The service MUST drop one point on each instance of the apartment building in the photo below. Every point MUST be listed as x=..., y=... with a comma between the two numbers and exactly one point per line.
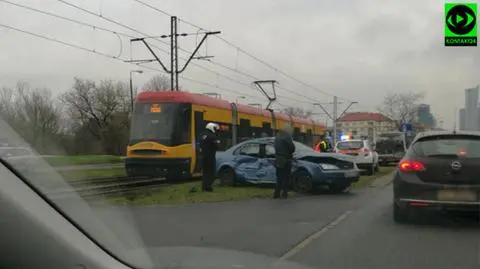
x=365, y=124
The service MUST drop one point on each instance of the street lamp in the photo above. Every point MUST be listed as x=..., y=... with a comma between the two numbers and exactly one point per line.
x=239, y=97
x=131, y=86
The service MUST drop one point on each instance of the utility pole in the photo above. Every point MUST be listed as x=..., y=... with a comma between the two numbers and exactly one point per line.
x=174, y=70
x=173, y=54
x=131, y=87
x=334, y=116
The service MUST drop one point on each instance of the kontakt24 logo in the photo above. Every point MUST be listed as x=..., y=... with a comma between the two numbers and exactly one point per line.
x=461, y=24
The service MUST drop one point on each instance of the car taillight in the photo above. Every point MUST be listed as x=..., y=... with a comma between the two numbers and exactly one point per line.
x=411, y=166
x=366, y=150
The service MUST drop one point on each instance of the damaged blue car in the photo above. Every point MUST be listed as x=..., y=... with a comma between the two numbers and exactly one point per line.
x=253, y=162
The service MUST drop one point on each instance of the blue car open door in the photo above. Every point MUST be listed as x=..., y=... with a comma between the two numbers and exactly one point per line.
x=247, y=162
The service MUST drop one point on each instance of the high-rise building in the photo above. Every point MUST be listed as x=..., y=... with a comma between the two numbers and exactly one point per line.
x=471, y=109
x=424, y=116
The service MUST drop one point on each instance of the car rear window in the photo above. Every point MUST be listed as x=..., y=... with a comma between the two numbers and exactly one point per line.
x=350, y=145
x=448, y=145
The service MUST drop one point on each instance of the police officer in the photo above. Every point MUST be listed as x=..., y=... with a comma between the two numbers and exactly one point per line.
x=209, y=145
x=324, y=144
x=284, y=149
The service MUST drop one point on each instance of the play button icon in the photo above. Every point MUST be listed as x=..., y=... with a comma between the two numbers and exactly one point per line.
x=461, y=20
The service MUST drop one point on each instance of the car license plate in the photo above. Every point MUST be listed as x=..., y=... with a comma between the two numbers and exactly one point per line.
x=457, y=195
x=350, y=174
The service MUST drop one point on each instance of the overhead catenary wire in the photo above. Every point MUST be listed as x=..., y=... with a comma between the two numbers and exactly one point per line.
x=142, y=33
x=116, y=58
x=131, y=36
x=60, y=42
x=239, y=49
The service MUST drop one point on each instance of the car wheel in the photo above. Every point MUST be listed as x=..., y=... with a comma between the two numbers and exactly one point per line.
x=400, y=215
x=227, y=176
x=302, y=182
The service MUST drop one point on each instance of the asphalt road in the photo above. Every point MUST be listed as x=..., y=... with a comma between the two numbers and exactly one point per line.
x=327, y=231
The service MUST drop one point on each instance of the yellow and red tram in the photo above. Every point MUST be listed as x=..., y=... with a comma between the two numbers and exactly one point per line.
x=166, y=125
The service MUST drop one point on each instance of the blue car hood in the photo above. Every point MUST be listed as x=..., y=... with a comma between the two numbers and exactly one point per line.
x=338, y=156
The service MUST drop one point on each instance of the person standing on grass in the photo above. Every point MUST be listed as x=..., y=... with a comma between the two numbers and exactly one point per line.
x=209, y=145
x=284, y=149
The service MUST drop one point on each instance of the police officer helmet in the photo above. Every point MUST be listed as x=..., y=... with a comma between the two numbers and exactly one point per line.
x=212, y=127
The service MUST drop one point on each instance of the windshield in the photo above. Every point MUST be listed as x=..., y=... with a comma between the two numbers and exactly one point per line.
x=350, y=145
x=153, y=122
x=301, y=148
x=112, y=98
x=444, y=146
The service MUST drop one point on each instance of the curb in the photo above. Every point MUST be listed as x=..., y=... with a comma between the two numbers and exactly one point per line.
x=382, y=181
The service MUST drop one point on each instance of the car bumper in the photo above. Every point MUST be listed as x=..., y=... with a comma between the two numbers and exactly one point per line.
x=327, y=177
x=436, y=205
x=388, y=159
x=364, y=166
x=158, y=167
x=409, y=191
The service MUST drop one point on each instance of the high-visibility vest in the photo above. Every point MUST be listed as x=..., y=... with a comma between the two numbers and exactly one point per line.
x=324, y=144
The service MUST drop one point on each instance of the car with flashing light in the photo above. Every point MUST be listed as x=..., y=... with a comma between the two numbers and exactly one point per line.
x=363, y=151
x=252, y=162
x=438, y=172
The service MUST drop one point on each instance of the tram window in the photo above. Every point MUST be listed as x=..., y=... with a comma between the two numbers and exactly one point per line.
x=296, y=134
x=183, y=126
x=245, y=132
x=225, y=137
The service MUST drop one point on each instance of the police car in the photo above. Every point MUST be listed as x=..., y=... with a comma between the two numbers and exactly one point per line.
x=366, y=157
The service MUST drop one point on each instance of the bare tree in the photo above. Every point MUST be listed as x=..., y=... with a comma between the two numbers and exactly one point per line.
x=297, y=112
x=33, y=114
x=103, y=110
x=157, y=83
x=401, y=107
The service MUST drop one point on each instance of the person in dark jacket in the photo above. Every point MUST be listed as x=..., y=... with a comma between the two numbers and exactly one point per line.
x=284, y=149
x=209, y=145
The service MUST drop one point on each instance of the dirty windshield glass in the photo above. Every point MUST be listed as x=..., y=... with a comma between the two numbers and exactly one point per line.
x=132, y=114
x=350, y=145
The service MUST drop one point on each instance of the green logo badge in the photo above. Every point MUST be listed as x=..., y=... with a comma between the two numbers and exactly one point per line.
x=460, y=24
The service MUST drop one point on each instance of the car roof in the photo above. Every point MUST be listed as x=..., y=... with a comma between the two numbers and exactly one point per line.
x=439, y=133
x=259, y=140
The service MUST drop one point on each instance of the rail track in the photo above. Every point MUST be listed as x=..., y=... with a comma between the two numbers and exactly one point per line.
x=112, y=186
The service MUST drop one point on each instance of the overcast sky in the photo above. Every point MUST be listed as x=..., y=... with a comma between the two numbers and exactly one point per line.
x=358, y=50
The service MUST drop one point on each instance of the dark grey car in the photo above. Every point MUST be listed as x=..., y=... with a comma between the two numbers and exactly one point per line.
x=440, y=171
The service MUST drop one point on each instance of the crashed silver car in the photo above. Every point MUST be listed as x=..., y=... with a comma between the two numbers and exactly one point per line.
x=253, y=162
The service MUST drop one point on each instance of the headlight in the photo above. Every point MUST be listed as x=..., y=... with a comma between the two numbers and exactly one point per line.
x=328, y=166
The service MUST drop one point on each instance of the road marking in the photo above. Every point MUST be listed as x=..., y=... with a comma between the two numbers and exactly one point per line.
x=302, y=244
